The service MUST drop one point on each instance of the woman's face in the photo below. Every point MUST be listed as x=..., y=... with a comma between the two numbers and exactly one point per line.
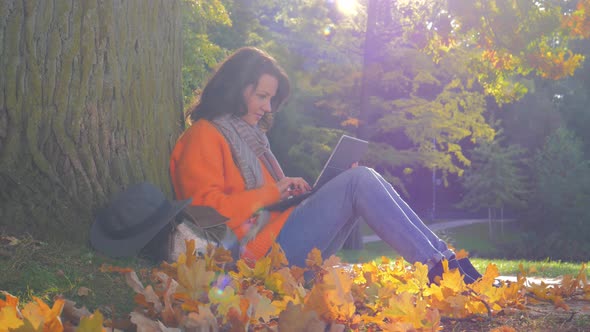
x=258, y=98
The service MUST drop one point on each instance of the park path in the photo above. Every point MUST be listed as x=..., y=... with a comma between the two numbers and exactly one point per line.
x=441, y=226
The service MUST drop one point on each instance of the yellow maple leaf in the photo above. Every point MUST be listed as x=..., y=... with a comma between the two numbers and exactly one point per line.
x=261, y=305
x=282, y=282
x=452, y=280
x=275, y=282
x=225, y=299
x=407, y=308
x=9, y=318
x=260, y=270
x=331, y=296
x=457, y=305
x=486, y=284
x=282, y=304
x=92, y=323
x=194, y=278
x=415, y=281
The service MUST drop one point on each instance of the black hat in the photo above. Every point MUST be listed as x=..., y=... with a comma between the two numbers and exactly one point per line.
x=131, y=219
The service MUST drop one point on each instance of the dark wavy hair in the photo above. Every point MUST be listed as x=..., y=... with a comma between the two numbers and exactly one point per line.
x=223, y=93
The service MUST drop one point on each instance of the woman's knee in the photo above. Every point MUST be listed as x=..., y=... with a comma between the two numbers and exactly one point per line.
x=362, y=174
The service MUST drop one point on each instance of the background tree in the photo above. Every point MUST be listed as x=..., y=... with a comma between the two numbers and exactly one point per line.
x=91, y=100
x=200, y=54
x=559, y=210
x=495, y=179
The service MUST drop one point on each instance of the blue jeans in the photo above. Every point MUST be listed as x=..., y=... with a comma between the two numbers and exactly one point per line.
x=327, y=217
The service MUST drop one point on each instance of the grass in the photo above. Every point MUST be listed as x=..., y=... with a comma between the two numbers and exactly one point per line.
x=32, y=268
x=542, y=269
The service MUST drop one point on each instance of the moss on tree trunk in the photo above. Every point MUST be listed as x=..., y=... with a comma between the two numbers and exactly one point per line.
x=90, y=101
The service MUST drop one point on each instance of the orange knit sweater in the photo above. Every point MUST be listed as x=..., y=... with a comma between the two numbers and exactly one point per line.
x=202, y=167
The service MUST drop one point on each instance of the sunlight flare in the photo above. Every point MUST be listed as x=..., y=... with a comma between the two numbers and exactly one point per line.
x=347, y=7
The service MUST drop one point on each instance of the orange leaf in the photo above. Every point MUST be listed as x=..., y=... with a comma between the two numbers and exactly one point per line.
x=11, y=301
x=461, y=254
x=40, y=315
x=110, y=268
x=314, y=258
x=277, y=256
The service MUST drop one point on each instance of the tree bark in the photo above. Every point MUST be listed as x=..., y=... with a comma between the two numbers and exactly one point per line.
x=90, y=101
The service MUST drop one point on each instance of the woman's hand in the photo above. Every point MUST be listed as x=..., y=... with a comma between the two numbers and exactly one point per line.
x=292, y=187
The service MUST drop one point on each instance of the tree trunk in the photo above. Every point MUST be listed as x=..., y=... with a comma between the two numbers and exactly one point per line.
x=490, y=218
x=90, y=101
x=355, y=239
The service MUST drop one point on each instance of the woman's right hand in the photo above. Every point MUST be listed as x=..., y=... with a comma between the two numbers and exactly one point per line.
x=292, y=187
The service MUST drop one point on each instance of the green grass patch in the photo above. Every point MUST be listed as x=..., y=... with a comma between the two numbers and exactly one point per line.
x=544, y=269
x=480, y=240
x=46, y=270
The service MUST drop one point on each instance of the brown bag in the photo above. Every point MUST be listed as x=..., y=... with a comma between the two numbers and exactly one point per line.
x=207, y=220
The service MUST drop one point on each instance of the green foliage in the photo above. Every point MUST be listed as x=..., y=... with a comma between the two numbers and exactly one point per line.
x=496, y=178
x=312, y=150
x=571, y=97
x=199, y=52
x=560, y=195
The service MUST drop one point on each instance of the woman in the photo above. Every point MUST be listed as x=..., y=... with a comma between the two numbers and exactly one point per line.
x=223, y=161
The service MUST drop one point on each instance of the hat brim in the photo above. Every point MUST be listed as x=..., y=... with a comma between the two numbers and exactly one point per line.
x=132, y=245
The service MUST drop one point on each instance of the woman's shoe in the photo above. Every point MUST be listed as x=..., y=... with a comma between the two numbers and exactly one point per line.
x=468, y=268
x=437, y=271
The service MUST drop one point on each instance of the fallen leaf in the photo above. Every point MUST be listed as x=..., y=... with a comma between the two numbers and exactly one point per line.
x=10, y=241
x=314, y=258
x=204, y=320
x=84, y=291
x=294, y=319
x=9, y=319
x=92, y=323
x=503, y=328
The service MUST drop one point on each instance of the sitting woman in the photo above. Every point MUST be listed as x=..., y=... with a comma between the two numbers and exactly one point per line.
x=223, y=161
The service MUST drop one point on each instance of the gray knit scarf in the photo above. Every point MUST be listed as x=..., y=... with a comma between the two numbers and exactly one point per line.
x=249, y=146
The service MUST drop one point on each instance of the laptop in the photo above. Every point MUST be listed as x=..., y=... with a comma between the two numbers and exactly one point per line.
x=348, y=151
